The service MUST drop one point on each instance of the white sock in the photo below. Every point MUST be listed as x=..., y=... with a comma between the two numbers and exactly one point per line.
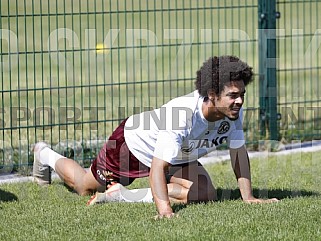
x=137, y=195
x=49, y=157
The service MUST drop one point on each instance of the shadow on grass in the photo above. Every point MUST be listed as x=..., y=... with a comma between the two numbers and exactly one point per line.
x=176, y=207
x=233, y=194
x=7, y=196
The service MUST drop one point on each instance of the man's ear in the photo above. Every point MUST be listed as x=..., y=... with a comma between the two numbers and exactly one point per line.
x=211, y=94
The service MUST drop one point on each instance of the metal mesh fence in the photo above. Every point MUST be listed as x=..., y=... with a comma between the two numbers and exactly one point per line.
x=299, y=63
x=71, y=70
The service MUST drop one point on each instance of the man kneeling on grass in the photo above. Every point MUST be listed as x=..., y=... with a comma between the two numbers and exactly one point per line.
x=165, y=144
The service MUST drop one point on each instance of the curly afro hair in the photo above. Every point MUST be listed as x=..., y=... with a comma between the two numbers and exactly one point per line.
x=218, y=72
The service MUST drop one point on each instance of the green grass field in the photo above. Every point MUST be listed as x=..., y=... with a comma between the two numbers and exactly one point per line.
x=30, y=212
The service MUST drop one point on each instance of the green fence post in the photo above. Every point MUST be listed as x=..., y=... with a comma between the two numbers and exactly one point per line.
x=267, y=68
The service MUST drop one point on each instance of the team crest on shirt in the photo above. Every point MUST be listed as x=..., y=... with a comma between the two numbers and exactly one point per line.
x=224, y=127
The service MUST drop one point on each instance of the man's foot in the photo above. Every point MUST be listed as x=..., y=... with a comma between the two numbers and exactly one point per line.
x=113, y=194
x=41, y=173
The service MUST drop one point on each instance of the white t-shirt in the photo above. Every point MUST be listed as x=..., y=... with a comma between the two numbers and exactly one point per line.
x=178, y=133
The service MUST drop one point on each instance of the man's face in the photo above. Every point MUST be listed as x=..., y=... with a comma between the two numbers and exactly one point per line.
x=231, y=100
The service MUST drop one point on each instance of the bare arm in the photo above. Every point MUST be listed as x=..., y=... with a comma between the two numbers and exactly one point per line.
x=158, y=185
x=241, y=167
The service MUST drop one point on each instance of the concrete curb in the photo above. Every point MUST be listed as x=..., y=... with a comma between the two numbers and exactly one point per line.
x=221, y=156
x=14, y=178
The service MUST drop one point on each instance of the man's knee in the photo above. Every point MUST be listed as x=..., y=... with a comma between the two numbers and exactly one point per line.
x=202, y=191
x=202, y=195
x=86, y=185
x=82, y=191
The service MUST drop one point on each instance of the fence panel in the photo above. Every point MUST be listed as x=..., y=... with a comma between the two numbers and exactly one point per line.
x=299, y=64
x=71, y=70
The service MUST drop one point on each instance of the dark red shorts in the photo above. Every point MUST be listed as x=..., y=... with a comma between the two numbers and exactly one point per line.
x=116, y=163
